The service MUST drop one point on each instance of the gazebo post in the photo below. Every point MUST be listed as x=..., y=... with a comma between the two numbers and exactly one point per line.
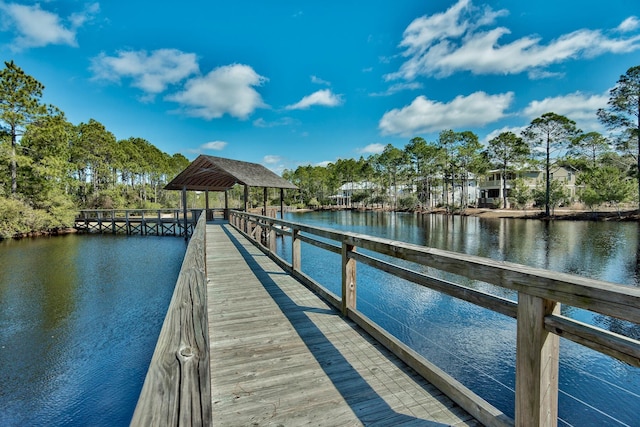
x=206, y=198
x=184, y=211
x=226, y=204
x=264, y=199
x=246, y=207
x=282, y=203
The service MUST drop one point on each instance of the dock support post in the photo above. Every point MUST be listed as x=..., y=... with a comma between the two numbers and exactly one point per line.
x=537, y=360
x=348, y=279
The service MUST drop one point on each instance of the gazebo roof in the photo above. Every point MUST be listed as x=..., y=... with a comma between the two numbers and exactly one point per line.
x=219, y=174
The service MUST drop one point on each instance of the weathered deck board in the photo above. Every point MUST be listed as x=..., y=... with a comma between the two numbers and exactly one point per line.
x=282, y=356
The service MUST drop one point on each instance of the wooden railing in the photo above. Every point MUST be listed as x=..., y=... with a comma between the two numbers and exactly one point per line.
x=156, y=222
x=539, y=324
x=177, y=388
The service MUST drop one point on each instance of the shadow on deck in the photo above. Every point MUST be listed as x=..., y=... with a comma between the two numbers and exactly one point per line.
x=280, y=355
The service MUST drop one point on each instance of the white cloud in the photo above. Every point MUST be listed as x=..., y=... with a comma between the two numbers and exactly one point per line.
x=629, y=24
x=424, y=115
x=225, y=90
x=214, y=145
x=442, y=44
x=319, y=81
x=375, y=148
x=398, y=87
x=576, y=106
x=323, y=97
x=271, y=159
x=36, y=27
x=152, y=72
x=284, y=121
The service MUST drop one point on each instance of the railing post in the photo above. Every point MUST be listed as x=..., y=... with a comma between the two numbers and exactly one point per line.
x=537, y=359
x=348, y=279
x=272, y=237
x=295, y=249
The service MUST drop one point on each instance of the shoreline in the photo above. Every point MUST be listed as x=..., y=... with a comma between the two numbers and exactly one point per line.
x=537, y=214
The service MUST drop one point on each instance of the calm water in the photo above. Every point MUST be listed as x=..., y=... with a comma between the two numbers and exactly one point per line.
x=79, y=319
x=475, y=345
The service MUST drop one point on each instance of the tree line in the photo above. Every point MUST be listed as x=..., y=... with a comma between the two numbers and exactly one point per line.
x=425, y=171
x=50, y=167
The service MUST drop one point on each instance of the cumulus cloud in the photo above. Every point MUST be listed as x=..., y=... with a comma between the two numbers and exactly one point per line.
x=576, y=106
x=630, y=24
x=464, y=38
x=325, y=98
x=36, y=27
x=271, y=159
x=214, y=145
x=151, y=72
x=375, y=148
x=225, y=90
x=424, y=115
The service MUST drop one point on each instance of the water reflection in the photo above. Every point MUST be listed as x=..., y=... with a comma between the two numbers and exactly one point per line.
x=79, y=316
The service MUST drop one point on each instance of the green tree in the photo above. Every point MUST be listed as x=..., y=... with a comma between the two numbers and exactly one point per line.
x=550, y=195
x=425, y=158
x=549, y=133
x=447, y=142
x=19, y=106
x=468, y=154
x=520, y=194
x=507, y=150
x=622, y=115
x=46, y=179
x=94, y=156
x=393, y=162
x=590, y=146
x=605, y=184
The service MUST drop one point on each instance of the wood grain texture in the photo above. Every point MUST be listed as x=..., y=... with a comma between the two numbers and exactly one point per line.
x=280, y=355
x=177, y=388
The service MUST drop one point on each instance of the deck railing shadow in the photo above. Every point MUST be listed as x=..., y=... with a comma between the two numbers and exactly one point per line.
x=344, y=376
x=537, y=310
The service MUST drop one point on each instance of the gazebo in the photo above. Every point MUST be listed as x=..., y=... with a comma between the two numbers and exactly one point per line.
x=209, y=173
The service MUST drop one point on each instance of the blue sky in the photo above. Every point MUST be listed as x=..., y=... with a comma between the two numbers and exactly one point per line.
x=288, y=83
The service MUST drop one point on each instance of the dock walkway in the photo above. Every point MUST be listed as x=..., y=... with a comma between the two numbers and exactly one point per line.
x=281, y=356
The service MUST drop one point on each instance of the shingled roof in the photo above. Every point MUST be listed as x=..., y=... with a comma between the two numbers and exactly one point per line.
x=220, y=174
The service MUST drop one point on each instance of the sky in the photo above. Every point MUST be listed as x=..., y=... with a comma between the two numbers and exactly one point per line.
x=290, y=83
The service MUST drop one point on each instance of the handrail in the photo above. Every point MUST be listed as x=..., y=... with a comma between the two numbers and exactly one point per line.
x=177, y=388
x=539, y=324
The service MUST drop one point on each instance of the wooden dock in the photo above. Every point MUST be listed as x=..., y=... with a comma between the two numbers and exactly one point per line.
x=280, y=355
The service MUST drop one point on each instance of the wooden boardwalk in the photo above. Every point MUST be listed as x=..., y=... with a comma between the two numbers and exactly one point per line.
x=281, y=356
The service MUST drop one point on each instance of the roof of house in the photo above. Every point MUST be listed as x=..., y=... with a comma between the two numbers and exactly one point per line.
x=220, y=174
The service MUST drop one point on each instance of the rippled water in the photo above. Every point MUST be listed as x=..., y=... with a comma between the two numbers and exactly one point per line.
x=79, y=319
x=475, y=345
